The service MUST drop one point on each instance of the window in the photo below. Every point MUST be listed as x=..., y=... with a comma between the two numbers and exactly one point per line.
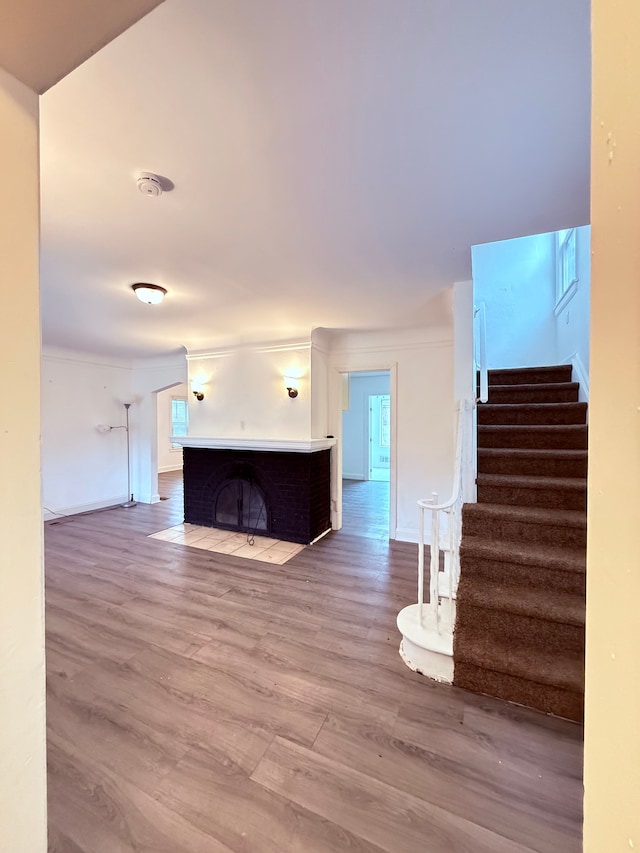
x=566, y=270
x=179, y=417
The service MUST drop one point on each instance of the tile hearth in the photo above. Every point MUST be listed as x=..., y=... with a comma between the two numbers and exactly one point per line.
x=264, y=548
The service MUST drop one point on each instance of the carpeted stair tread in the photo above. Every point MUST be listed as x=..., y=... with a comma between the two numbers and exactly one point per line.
x=522, y=375
x=544, y=414
x=550, y=492
x=520, y=624
x=549, y=392
x=576, y=484
x=538, y=603
x=534, y=436
x=540, y=666
x=528, y=554
x=529, y=514
x=525, y=460
x=550, y=700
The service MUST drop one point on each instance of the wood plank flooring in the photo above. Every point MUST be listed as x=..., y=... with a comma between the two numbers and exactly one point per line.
x=200, y=703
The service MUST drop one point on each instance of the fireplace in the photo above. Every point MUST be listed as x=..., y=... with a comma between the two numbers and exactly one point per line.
x=241, y=504
x=279, y=489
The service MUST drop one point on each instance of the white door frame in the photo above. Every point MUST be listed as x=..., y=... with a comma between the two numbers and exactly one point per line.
x=335, y=429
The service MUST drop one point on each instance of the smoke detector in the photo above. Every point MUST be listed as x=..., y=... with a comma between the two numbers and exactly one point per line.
x=149, y=184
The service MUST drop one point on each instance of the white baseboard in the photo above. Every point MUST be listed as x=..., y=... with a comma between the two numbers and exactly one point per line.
x=582, y=376
x=164, y=469
x=410, y=534
x=406, y=534
x=49, y=514
x=353, y=477
x=147, y=499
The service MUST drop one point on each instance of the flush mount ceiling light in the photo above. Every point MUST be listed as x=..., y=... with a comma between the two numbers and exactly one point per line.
x=152, y=294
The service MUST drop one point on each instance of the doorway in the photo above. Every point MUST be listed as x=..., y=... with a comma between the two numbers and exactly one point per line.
x=380, y=437
x=366, y=454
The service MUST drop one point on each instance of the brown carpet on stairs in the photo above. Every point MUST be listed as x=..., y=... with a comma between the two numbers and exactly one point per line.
x=521, y=600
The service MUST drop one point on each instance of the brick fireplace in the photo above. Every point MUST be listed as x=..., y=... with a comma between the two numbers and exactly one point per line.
x=272, y=488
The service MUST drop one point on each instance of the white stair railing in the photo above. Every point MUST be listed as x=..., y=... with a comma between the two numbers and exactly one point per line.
x=427, y=628
x=480, y=339
x=444, y=538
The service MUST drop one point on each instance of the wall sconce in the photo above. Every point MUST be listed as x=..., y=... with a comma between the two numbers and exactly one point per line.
x=198, y=390
x=292, y=383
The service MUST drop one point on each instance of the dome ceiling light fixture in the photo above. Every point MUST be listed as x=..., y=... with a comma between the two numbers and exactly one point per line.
x=152, y=294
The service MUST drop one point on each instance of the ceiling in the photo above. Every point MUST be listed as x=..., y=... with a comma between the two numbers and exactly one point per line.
x=60, y=34
x=333, y=163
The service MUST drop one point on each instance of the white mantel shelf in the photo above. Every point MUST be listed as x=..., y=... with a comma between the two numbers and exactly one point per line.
x=269, y=444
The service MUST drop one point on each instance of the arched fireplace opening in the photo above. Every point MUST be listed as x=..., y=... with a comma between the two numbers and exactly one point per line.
x=241, y=504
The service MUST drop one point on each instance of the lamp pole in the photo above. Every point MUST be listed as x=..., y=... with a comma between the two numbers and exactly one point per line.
x=130, y=502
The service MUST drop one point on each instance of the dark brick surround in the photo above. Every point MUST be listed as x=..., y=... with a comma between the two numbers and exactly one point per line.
x=297, y=488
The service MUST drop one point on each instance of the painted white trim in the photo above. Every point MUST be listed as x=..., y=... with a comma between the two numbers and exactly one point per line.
x=51, y=515
x=147, y=499
x=353, y=477
x=322, y=535
x=63, y=355
x=406, y=534
x=164, y=469
x=390, y=347
x=285, y=346
x=410, y=534
x=580, y=374
x=268, y=444
x=566, y=298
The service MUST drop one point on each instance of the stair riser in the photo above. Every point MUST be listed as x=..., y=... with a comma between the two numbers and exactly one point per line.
x=522, y=531
x=527, y=415
x=521, y=575
x=528, y=376
x=549, y=700
x=540, y=466
x=544, y=498
x=551, y=438
x=477, y=622
x=516, y=394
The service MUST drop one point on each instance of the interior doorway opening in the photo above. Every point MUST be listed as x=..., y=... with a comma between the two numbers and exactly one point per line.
x=366, y=453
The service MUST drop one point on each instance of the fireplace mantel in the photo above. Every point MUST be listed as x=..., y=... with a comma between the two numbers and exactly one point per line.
x=264, y=444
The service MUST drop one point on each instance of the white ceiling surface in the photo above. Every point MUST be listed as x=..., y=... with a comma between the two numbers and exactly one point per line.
x=42, y=40
x=333, y=162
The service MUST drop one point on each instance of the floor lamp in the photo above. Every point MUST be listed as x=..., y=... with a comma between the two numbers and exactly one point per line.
x=130, y=501
x=106, y=428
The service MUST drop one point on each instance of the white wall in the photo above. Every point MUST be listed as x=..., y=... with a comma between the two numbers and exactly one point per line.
x=169, y=458
x=23, y=819
x=573, y=321
x=612, y=702
x=516, y=281
x=355, y=424
x=421, y=366
x=245, y=395
x=150, y=376
x=465, y=381
x=82, y=468
x=320, y=346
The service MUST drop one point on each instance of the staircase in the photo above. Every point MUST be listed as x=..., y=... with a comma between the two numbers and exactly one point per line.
x=519, y=631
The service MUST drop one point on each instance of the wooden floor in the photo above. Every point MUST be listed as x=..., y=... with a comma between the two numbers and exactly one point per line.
x=198, y=702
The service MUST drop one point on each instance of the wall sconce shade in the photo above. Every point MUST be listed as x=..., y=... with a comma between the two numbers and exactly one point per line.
x=152, y=294
x=198, y=390
x=291, y=383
